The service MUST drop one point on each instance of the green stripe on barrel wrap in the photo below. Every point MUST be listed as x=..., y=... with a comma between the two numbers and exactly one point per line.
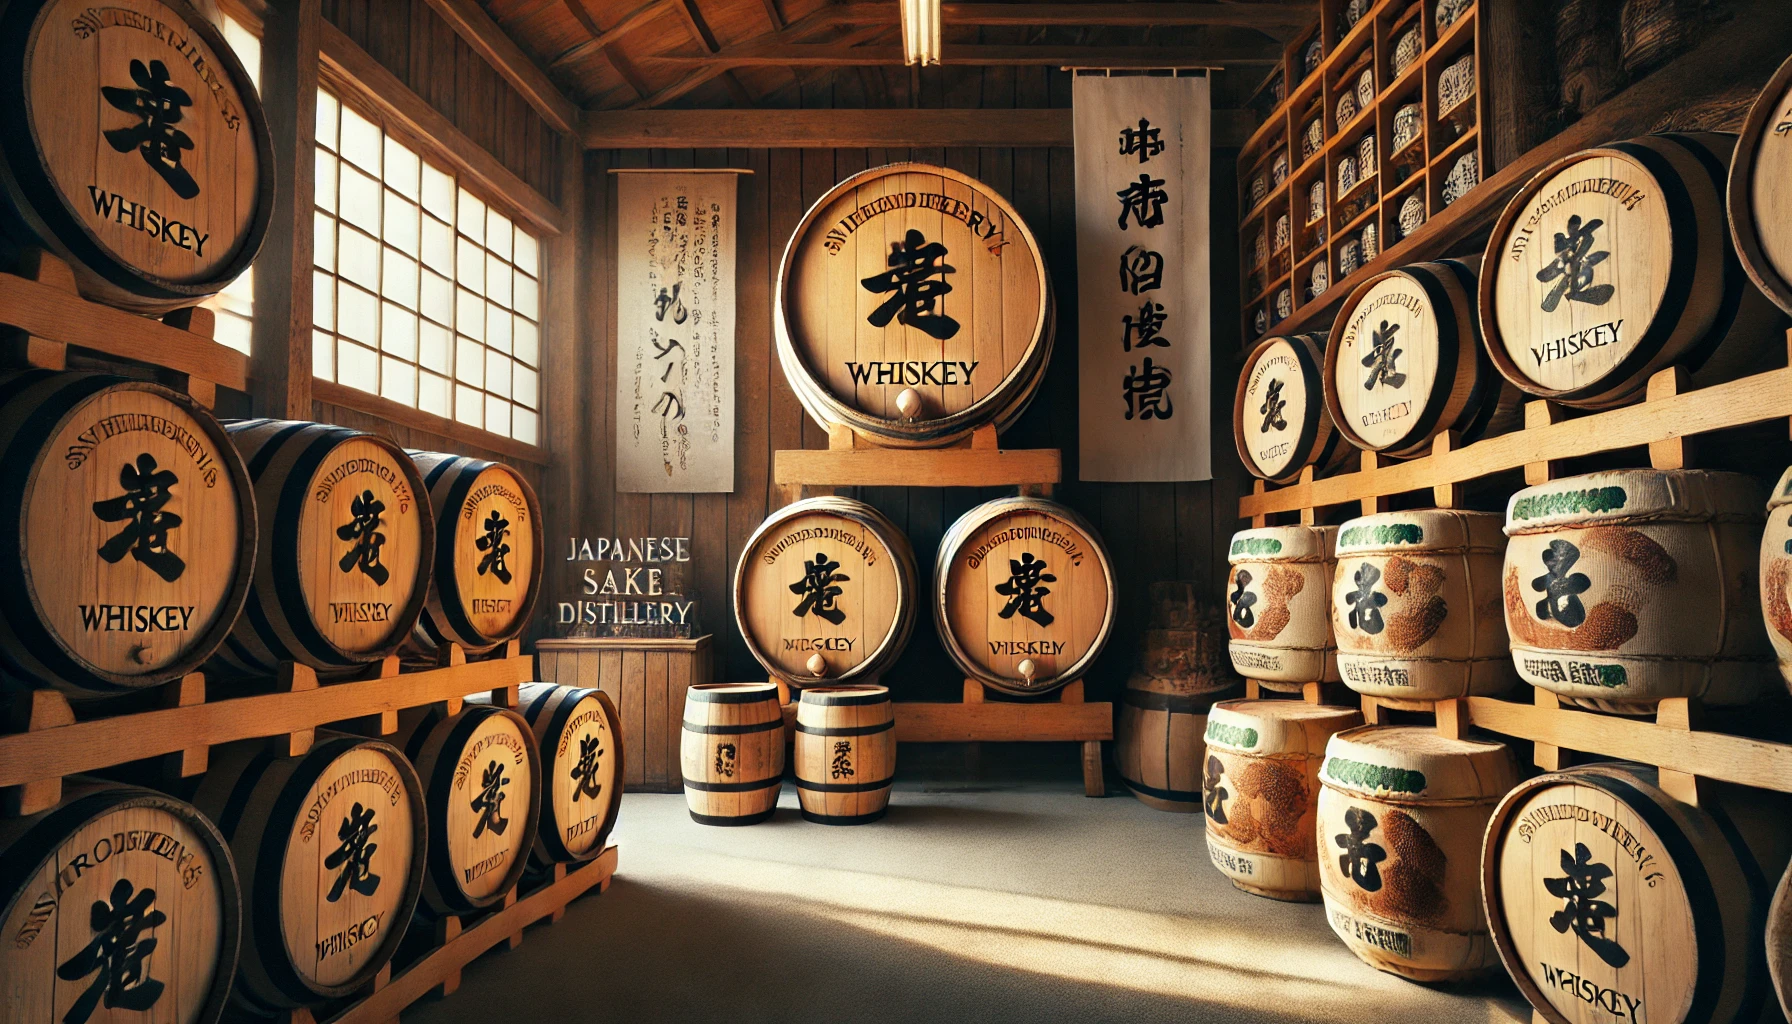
x=1278, y=617
x=732, y=752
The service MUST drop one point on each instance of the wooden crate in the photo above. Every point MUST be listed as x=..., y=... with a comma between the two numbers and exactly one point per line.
x=647, y=678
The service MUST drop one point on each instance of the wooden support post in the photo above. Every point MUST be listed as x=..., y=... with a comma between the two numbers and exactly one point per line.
x=24, y=349
x=186, y=692
x=281, y=342
x=1548, y=756
x=1674, y=452
x=1445, y=495
x=1258, y=522
x=1679, y=713
x=1253, y=690
x=514, y=939
x=1309, y=516
x=294, y=678
x=1312, y=693
x=1539, y=414
x=558, y=875
x=1372, y=711
x=35, y=711
x=447, y=930
x=1372, y=503
x=1452, y=718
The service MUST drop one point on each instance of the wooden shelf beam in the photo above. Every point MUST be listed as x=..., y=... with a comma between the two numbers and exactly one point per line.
x=939, y=467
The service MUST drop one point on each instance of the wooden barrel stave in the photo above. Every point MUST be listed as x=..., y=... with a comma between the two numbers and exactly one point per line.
x=479, y=597
x=580, y=739
x=844, y=753
x=1158, y=747
x=732, y=752
x=1278, y=593
x=1757, y=199
x=1280, y=423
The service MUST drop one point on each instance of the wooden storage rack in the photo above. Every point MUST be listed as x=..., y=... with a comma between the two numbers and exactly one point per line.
x=849, y=461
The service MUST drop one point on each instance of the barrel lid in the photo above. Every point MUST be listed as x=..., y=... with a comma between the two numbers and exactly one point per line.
x=1424, y=530
x=1416, y=763
x=863, y=693
x=1392, y=352
x=1276, y=726
x=731, y=693
x=1634, y=496
x=1782, y=491
x=1760, y=205
x=1279, y=412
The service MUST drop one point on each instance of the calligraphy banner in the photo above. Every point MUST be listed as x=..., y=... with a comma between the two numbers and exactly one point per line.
x=1143, y=153
x=675, y=331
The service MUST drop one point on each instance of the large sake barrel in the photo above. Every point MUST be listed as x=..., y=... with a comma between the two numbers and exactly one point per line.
x=1279, y=420
x=1260, y=789
x=732, y=752
x=826, y=578
x=1625, y=587
x=116, y=896
x=844, y=753
x=1158, y=750
x=1776, y=574
x=1759, y=200
x=1416, y=605
x=1779, y=942
x=913, y=306
x=1609, y=899
x=1616, y=262
x=1278, y=614
x=1401, y=812
x=1023, y=594
x=130, y=532
x=133, y=146
x=488, y=553
x=1404, y=362
x=580, y=739
x=330, y=846
x=482, y=794
x=342, y=566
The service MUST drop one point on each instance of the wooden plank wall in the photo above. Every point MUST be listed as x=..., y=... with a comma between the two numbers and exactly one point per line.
x=1155, y=531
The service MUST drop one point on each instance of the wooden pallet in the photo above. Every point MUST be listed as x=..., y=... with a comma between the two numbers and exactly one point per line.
x=849, y=461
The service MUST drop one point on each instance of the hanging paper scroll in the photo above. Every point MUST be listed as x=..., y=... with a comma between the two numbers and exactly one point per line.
x=675, y=332
x=1143, y=149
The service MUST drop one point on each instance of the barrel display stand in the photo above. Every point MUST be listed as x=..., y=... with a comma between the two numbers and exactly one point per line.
x=979, y=461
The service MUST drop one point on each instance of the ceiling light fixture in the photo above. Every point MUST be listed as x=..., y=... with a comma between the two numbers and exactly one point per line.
x=920, y=32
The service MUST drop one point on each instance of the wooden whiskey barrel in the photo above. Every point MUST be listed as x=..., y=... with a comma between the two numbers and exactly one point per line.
x=913, y=306
x=1776, y=574
x=481, y=773
x=1610, y=899
x=1401, y=812
x=1416, y=605
x=1625, y=587
x=580, y=739
x=488, y=553
x=1277, y=611
x=1758, y=199
x=1260, y=789
x=1616, y=262
x=845, y=753
x=130, y=528
x=1023, y=594
x=1404, y=362
x=732, y=753
x=330, y=846
x=828, y=578
x=1779, y=942
x=342, y=567
x=109, y=872
x=1279, y=420
x=1157, y=736
x=132, y=145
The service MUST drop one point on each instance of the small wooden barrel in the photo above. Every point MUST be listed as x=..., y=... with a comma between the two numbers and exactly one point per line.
x=488, y=553
x=1625, y=587
x=913, y=306
x=1416, y=605
x=481, y=773
x=1277, y=614
x=828, y=578
x=1279, y=419
x=1779, y=942
x=341, y=569
x=1401, y=812
x=732, y=754
x=331, y=849
x=109, y=872
x=580, y=740
x=1613, y=263
x=845, y=753
x=1759, y=199
x=132, y=532
x=134, y=147
x=1776, y=574
x=1260, y=788
x=1023, y=594
x=1157, y=737
x=1404, y=362
x=1609, y=899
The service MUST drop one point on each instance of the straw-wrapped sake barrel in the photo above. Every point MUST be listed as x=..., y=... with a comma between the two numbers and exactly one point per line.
x=1023, y=594
x=1279, y=420
x=130, y=532
x=1278, y=613
x=826, y=578
x=1626, y=587
x=1404, y=362
x=580, y=740
x=1616, y=262
x=1779, y=942
x=1611, y=900
x=844, y=753
x=488, y=553
x=1260, y=789
x=1776, y=573
x=482, y=792
x=732, y=753
x=1759, y=198
x=330, y=846
x=1416, y=605
x=342, y=565
x=117, y=901
x=1401, y=814
x=913, y=306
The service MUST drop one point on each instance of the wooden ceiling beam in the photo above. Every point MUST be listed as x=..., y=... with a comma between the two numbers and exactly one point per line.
x=602, y=39
x=1267, y=17
x=717, y=64
x=773, y=15
x=491, y=42
x=890, y=128
x=838, y=54
x=700, y=31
